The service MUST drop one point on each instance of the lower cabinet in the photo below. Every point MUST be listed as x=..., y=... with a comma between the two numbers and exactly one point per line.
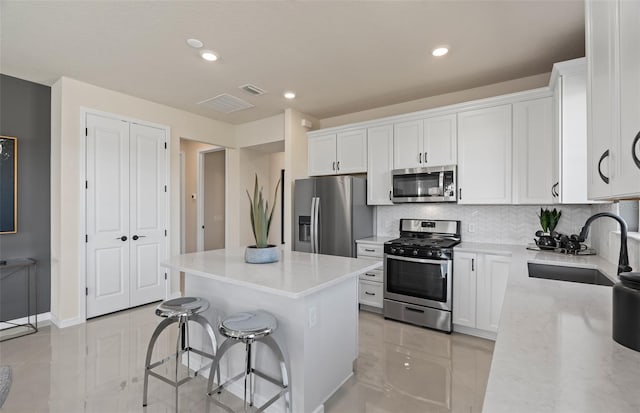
x=479, y=285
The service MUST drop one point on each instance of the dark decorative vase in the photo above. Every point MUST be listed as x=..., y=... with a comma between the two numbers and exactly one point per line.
x=546, y=242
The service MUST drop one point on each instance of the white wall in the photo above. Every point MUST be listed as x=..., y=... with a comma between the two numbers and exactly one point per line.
x=67, y=228
x=500, y=224
x=260, y=131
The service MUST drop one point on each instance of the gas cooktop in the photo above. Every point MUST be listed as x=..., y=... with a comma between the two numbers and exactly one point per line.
x=424, y=242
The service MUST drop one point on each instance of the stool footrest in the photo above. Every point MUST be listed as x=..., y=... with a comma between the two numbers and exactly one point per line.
x=169, y=381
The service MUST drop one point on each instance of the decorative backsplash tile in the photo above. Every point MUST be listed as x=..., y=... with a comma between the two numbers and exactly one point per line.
x=500, y=224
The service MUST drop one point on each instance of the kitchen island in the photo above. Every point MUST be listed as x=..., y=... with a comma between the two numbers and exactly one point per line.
x=313, y=296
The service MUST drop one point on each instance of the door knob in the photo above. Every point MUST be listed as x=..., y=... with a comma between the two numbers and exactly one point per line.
x=135, y=237
x=122, y=238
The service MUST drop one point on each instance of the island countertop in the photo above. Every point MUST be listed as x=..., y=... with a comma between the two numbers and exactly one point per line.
x=296, y=275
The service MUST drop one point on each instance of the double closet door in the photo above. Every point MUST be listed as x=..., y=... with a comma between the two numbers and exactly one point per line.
x=126, y=214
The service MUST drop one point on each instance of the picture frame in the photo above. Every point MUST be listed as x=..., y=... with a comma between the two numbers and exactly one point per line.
x=8, y=185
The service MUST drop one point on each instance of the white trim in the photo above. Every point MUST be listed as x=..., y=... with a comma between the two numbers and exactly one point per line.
x=43, y=320
x=183, y=204
x=67, y=322
x=200, y=194
x=489, y=335
x=443, y=110
x=82, y=253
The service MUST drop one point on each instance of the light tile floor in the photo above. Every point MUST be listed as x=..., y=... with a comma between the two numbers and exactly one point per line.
x=98, y=367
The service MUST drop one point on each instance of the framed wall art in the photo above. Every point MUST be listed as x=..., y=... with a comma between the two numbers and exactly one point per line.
x=8, y=185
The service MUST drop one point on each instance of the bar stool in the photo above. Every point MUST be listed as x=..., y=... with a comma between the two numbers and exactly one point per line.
x=247, y=328
x=179, y=310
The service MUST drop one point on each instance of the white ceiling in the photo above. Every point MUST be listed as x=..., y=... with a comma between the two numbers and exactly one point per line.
x=339, y=57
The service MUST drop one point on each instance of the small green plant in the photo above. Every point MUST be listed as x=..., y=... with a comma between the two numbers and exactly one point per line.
x=260, y=214
x=549, y=219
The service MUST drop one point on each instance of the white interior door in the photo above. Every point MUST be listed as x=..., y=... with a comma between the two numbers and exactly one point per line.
x=147, y=214
x=107, y=226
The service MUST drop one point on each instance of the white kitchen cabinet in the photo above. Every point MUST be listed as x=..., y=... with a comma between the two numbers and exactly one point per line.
x=484, y=156
x=479, y=286
x=407, y=144
x=440, y=141
x=614, y=103
x=569, y=83
x=532, y=151
x=338, y=153
x=379, y=164
x=425, y=143
x=491, y=287
x=464, y=289
x=371, y=283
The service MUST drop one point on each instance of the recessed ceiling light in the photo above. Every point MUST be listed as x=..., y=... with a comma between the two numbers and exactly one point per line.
x=440, y=51
x=289, y=95
x=208, y=55
x=195, y=43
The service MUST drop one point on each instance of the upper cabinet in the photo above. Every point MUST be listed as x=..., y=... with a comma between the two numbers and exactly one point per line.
x=425, y=143
x=380, y=163
x=532, y=146
x=484, y=156
x=338, y=153
x=613, y=99
x=569, y=83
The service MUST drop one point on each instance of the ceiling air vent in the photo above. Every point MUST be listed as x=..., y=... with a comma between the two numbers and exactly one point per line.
x=252, y=89
x=226, y=103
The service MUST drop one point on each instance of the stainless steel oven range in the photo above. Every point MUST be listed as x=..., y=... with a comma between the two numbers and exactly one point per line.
x=418, y=271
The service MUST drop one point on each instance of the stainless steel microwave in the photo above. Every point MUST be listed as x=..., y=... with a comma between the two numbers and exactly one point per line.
x=435, y=184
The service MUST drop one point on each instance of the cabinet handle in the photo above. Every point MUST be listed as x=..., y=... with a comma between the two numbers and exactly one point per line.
x=460, y=193
x=334, y=165
x=555, y=193
x=390, y=196
x=368, y=274
x=420, y=157
x=415, y=310
x=368, y=293
x=473, y=264
x=425, y=157
x=369, y=250
x=602, y=176
x=338, y=166
x=634, y=152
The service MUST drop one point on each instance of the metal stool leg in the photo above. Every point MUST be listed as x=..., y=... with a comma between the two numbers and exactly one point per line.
x=207, y=327
x=178, y=348
x=154, y=337
x=215, y=366
x=275, y=348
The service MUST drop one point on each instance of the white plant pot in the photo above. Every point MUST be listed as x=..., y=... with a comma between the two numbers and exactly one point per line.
x=254, y=255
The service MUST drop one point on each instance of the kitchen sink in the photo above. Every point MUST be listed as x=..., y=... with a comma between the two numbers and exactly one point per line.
x=571, y=274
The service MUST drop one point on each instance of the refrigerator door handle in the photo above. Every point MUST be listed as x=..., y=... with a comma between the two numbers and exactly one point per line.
x=317, y=220
x=313, y=224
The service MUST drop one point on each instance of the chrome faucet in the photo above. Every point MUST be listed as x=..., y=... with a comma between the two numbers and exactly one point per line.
x=623, y=260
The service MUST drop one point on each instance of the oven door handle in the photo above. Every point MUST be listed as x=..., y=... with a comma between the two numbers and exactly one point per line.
x=418, y=260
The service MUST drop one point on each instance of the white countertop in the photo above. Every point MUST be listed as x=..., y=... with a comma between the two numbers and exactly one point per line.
x=554, y=351
x=375, y=240
x=296, y=275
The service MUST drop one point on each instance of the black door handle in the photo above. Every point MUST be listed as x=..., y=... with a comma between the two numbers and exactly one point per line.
x=122, y=238
x=602, y=176
x=634, y=152
x=135, y=237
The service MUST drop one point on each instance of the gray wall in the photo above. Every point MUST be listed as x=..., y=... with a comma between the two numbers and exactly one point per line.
x=25, y=112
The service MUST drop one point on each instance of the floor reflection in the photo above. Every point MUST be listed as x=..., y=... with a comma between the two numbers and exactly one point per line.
x=403, y=368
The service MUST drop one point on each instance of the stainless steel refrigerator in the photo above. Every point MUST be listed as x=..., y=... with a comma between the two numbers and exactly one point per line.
x=330, y=214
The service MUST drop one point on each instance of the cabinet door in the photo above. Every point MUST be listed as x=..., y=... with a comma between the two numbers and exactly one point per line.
x=379, y=165
x=602, y=93
x=484, y=156
x=440, y=141
x=351, y=153
x=556, y=142
x=491, y=284
x=533, y=152
x=626, y=182
x=407, y=145
x=322, y=155
x=464, y=289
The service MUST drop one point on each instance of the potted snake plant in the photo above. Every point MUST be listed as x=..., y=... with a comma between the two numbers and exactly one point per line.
x=262, y=252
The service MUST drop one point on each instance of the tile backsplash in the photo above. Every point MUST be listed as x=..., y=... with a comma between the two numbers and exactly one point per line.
x=500, y=224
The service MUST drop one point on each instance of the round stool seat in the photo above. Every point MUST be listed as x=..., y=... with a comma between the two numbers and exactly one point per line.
x=249, y=325
x=183, y=306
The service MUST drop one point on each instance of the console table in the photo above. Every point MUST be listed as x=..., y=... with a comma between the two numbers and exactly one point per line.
x=26, y=267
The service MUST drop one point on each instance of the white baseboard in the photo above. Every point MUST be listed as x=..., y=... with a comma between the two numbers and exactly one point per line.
x=475, y=332
x=68, y=322
x=43, y=320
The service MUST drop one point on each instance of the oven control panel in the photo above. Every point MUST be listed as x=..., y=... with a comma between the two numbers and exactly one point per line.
x=431, y=253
